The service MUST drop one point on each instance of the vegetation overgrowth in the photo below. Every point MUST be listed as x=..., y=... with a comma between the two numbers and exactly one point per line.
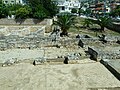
x=103, y=22
x=94, y=29
x=45, y=9
x=40, y=9
x=64, y=21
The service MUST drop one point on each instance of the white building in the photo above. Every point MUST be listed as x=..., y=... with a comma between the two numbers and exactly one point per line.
x=68, y=5
x=14, y=1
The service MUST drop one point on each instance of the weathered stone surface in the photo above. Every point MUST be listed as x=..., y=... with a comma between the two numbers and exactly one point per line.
x=22, y=30
x=93, y=53
x=25, y=22
x=39, y=61
x=8, y=63
x=80, y=43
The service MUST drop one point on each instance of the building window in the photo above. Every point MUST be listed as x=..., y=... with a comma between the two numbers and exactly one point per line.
x=6, y=2
x=12, y=1
x=63, y=8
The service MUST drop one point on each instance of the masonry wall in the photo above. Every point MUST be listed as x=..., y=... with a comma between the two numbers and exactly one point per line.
x=22, y=30
x=5, y=21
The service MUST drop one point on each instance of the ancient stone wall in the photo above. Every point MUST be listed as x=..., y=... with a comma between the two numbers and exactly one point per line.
x=21, y=30
x=6, y=21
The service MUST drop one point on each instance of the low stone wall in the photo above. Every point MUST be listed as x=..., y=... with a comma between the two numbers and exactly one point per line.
x=33, y=42
x=22, y=30
x=110, y=55
x=103, y=53
x=5, y=21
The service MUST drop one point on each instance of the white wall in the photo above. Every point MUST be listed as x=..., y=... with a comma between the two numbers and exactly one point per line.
x=68, y=5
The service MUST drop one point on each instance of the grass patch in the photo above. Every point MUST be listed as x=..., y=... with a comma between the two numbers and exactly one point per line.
x=78, y=30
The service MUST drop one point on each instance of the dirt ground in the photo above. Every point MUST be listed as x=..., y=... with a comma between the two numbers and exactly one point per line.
x=25, y=76
x=47, y=52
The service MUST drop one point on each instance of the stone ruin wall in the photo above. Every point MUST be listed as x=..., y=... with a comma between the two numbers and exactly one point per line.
x=103, y=54
x=37, y=49
x=5, y=21
x=41, y=41
x=100, y=48
x=13, y=27
x=21, y=30
x=90, y=41
x=35, y=42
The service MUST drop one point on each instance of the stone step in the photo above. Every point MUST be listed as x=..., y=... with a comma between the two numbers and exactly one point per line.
x=115, y=88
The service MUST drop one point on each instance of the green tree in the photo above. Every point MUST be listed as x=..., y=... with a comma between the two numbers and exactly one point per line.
x=40, y=13
x=74, y=10
x=23, y=12
x=9, y=9
x=116, y=12
x=12, y=8
x=49, y=7
x=87, y=23
x=64, y=20
x=113, y=14
x=88, y=11
x=0, y=1
x=3, y=11
x=103, y=22
x=81, y=11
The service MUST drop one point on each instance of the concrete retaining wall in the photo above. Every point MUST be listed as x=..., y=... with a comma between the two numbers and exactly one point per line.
x=111, y=69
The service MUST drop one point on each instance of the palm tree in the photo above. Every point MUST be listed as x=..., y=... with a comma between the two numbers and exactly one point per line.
x=87, y=23
x=64, y=21
x=102, y=22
